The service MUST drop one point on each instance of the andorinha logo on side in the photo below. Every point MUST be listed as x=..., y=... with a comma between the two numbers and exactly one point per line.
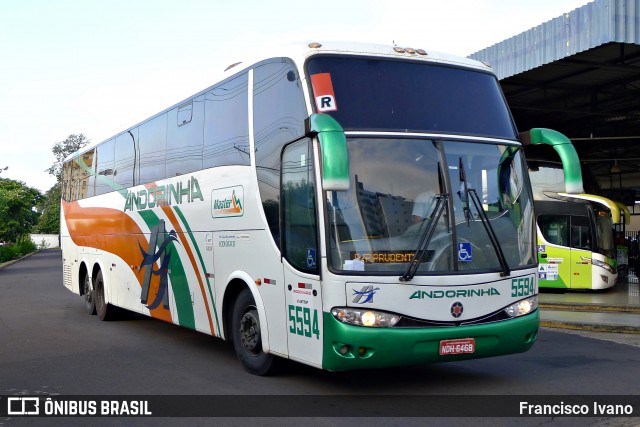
x=227, y=202
x=173, y=193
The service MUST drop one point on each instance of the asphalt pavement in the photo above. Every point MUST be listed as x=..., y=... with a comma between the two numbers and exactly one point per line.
x=614, y=310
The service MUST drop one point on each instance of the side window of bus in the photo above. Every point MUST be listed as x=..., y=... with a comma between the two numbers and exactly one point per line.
x=104, y=170
x=86, y=172
x=300, y=230
x=184, y=138
x=580, y=233
x=123, y=168
x=279, y=114
x=68, y=183
x=152, y=141
x=555, y=229
x=226, y=124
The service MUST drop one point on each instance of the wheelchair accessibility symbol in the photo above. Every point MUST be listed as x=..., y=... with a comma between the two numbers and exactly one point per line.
x=464, y=252
x=311, y=258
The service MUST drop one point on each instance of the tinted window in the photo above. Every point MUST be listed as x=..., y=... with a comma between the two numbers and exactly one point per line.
x=153, y=143
x=104, y=179
x=555, y=228
x=88, y=165
x=300, y=236
x=67, y=181
x=279, y=114
x=409, y=96
x=184, y=140
x=580, y=232
x=125, y=157
x=226, y=127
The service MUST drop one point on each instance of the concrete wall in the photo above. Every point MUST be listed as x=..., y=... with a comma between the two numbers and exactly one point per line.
x=46, y=240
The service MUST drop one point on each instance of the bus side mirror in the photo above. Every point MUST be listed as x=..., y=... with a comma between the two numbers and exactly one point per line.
x=566, y=151
x=333, y=147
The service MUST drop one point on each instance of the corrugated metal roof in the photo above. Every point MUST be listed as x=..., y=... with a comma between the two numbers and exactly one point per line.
x=590, y=26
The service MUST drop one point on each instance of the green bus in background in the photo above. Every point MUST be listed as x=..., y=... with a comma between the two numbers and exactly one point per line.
x=576, y=248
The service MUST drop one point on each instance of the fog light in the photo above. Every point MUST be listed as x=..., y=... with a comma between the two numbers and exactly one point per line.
x=344, y=349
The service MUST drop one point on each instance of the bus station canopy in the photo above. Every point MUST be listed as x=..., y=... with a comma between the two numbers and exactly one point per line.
x=579, y=74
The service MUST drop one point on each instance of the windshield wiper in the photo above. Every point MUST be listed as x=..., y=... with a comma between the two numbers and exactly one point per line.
x=471, y=193
x=442, y=204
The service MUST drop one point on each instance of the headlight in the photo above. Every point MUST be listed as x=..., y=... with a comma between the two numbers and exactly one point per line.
x=371, y=318
x=522, y=307
x=602, y=264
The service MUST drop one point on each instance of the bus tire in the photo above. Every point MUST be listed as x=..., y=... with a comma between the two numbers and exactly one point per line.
x=104, y=310
x=88, y=295
x=247, y=337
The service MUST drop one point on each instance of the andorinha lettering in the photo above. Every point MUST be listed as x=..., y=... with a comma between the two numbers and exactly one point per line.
x=455, y=293
x=164, y=195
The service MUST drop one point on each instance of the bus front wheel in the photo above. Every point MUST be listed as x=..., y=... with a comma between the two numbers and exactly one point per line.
x=247, y=337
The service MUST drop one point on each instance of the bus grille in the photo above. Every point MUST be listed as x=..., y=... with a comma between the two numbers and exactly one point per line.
x=66, y=275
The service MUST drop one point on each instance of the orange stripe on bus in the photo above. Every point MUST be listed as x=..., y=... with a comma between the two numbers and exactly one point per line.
x=176, y=225
x=113, y=231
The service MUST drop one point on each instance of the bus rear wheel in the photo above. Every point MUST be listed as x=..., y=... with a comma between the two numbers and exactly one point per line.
x=104, y=310
x=88, y=295
x=247, y=336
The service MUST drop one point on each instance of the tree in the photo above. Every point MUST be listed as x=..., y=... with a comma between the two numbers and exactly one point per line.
x=49, y=221
x=62, y=149
x=18, y=212
x=50, y=205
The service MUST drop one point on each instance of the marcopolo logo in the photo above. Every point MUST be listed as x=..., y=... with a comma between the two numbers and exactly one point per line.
x=364, y=295
x=227, y=202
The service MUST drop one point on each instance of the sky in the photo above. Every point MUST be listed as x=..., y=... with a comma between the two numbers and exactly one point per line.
x=97, y=67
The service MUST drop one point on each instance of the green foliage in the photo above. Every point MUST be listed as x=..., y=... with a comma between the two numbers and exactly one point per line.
x=49, y=222
x=49, y=208
x=17, y=209
x=21, y=247
x=62, y=149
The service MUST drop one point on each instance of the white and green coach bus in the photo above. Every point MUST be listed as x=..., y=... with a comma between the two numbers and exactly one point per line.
x=344, y=206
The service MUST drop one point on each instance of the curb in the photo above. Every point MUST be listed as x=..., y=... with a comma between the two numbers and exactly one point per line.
x=577, y=326
x=597, y=308
x=13, y=261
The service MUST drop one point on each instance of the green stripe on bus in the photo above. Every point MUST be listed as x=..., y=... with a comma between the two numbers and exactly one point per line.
x=202, y=264
x=178, y=277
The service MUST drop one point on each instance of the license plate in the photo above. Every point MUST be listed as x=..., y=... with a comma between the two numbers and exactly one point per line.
x=459, y=346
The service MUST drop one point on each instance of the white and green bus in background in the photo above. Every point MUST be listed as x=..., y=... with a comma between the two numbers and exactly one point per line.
x=576, y=248
x=344, y=206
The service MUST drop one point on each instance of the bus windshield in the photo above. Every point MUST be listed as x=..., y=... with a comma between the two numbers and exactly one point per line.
x=374, y=94
x=604, y=233
x=378, y=224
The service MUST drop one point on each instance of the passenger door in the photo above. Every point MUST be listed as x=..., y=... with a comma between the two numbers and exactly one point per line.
x=301, y=253
x=581, y=244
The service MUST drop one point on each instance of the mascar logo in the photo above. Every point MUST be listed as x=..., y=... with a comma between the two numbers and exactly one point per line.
x=227, y=202
x=457, y=309
x=149, y=260
x=365, y=293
